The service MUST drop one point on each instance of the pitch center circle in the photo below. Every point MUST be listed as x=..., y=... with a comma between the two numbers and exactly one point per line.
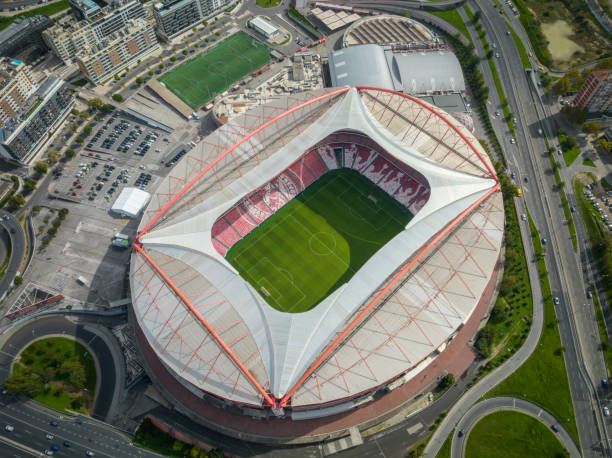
x=322, y=243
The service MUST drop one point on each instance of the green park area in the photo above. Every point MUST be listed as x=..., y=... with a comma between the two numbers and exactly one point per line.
x=47, y=10
x=512, y=435
x=57, y=372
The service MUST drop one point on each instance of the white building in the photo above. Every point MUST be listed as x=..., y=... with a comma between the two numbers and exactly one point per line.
x=263, y=26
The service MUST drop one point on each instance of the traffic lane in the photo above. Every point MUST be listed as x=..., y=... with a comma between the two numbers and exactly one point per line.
x=10, y=451
x=83, y=434
x=59, y=325
x=18, y=246
x=584, y=412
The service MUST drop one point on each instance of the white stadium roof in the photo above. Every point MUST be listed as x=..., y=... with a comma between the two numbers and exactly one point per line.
x=216, y=333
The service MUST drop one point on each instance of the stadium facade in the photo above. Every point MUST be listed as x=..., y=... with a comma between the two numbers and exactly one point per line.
x=211, y=342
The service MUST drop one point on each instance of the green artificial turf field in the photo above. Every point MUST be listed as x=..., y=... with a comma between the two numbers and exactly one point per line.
x=317, y=242
x=201, y=79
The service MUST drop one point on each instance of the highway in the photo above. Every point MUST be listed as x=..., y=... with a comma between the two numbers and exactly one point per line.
x=18, y=244
x=528, y=158
x=491, y=405
x=31, y=420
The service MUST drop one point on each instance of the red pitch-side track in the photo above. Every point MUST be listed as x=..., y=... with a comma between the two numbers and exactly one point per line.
x=270, y=400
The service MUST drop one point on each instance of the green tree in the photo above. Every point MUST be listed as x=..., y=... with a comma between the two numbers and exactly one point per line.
x=604, y=145
x=139, y=80
x=36, y=208
x=106, y=108
x=48, y=374
x=53, y=155
x=117, y=97
x=575, y=115
x=173, y=59
x=562, y=86
x=79, y=139
x=74, y=111
x=63, y=213
x=41, y=168
x=447, y=381
x=592, y=127
x=84, y=115
x=18, y=280
x=16, y=201
x=24, y=383
x=30, y=185
x=150, y=73
x=94, y=104
x=87, y=130
x=116, y=76
x=69, y=153
x=185, y=52
x=74, y=371
x=160, y=66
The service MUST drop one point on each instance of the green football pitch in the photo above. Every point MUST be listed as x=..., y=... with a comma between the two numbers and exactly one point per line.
x=201, y=79
x=317, y=242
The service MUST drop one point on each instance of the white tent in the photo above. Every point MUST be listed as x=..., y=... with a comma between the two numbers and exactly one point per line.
x=130, y=202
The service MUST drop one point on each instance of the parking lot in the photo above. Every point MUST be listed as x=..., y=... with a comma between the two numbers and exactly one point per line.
x=604, y=208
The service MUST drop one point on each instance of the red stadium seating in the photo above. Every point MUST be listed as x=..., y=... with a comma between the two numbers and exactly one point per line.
x=287, y=186
x=378, y=169
x=314, y=163
x=365, y=156
x=301, y=175
x=221, y=249
x=407, y=191
x=392, y=181
x=272, y=197
x=327, y=154
x=223, y=232
x=400, y=181
x=240, y=221
x=256, y=208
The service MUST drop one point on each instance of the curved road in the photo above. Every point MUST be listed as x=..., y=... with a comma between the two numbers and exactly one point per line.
x=59, y=325
x=18, y=244
x=491, y=405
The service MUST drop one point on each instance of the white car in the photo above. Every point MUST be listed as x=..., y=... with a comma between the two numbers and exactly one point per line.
x=9, y=428
x=606, y=411
x=89, y=453
x=524, y=217
x=49, y=436
x=513, y=141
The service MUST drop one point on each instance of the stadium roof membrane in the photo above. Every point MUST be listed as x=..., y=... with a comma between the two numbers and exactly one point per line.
x=217, y=334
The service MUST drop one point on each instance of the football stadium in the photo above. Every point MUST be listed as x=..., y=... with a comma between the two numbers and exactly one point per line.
x=316, y=262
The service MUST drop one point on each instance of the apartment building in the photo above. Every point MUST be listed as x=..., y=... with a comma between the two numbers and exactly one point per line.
x=175, y=16
x=595, y=95
x=17, y=84
x=102, y=60
x=85, y=9
x=23, y=135
x=24, y=33
x=69, y=36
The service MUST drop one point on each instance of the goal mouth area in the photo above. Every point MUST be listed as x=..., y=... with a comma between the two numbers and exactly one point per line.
x=307, y=231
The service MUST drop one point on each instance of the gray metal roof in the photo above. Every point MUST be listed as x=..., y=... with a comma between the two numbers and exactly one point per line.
x=363, y=65
x=413, y=73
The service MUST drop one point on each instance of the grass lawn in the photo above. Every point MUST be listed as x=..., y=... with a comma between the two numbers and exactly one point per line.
x=520, y=46
x=202, y=78
x=542, y=379
x=268, y=3
x=318, y=240
x=445, y=451
x=454, y=19
x=517, y=434
x=48, y=353
x=571, y=155
x=588, y=163
x=47, y=10
x=152, y=438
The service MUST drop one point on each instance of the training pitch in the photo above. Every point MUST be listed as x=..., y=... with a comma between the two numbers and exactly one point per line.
x=201, y=79
x=318, y=240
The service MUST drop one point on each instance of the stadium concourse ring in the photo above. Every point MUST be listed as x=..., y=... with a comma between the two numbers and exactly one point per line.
x=253, y=282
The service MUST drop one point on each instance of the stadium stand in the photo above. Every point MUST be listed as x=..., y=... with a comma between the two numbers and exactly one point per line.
x=359, y=152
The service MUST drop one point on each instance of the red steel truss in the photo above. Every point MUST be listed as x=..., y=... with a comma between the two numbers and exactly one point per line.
x=269, y=400
x=186, y=186
x=366, y=310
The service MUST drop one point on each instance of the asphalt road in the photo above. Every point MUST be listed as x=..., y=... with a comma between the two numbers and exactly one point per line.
x=31, y=420
x=60, y=325
x=491, y=405
x=18, y=243
x=527, y=160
